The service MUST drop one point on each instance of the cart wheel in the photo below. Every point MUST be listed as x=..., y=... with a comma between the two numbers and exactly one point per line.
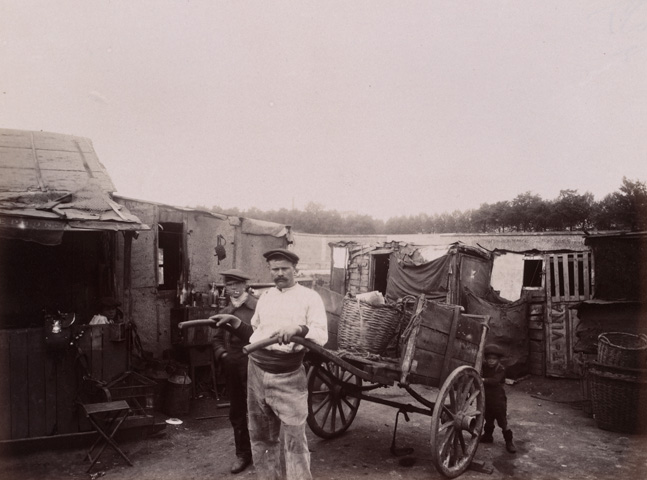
x=331, y=409
x=457, y=421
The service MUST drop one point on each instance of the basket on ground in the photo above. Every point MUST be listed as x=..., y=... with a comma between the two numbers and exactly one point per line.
x=622, y=350
x=367, y=328
x=618, y=397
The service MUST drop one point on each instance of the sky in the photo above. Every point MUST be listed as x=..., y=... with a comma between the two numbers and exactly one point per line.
x=376, y=107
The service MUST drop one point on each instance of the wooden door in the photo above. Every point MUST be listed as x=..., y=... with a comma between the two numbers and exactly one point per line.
x=569, y=280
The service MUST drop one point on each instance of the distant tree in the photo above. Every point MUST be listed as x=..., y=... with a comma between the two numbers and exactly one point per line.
x=526, y=212
x=625, y=209
x=482, y=218
x=572, y=211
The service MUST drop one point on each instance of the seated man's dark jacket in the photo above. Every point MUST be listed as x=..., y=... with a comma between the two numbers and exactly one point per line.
x=224, y=341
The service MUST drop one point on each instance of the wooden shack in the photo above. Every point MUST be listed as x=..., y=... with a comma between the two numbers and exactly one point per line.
x=63, y=240
x=66, y=241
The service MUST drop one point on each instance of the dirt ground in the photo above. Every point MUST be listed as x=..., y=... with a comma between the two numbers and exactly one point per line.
x=554, y=437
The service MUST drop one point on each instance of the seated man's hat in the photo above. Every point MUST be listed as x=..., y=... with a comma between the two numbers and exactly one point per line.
x=493, y=349
x=235, y=274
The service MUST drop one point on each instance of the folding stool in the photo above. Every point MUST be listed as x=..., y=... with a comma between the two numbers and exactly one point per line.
x=106, y=418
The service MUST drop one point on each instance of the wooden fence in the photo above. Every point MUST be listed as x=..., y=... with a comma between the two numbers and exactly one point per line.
x=39, y=385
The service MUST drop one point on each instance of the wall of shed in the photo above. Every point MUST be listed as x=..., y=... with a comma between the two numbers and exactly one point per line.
x=620, y=267
x=314, y=250
x=151, y=308
x=502, y=241
x=358, y=274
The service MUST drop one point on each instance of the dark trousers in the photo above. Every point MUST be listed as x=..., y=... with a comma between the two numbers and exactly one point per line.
x=496, y=410
x=235, y=370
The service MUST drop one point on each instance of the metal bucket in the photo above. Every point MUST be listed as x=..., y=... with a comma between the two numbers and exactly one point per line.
x=177, y=395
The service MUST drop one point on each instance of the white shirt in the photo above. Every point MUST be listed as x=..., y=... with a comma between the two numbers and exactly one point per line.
x=99, y=320
x=297, y=305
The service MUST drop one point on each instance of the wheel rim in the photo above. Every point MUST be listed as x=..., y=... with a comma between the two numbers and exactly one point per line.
x=331, y=409
x=457, y=421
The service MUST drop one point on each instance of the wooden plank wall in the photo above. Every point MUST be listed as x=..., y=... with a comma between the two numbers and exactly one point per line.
x=537, y=362
x=38, y=386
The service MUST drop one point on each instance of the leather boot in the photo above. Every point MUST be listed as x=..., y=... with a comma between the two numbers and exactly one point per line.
x=509, y=444
x=487, y=434
x=240, y=464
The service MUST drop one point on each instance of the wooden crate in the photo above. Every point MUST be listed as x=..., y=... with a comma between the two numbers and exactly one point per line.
x=442, y=340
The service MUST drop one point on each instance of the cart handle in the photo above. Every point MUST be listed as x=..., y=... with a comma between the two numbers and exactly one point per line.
x=209, y=322
x=252, y=347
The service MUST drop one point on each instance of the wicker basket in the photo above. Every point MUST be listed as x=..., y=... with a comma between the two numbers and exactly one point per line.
x=366, y=328
x=618, y=398
x=622, y=350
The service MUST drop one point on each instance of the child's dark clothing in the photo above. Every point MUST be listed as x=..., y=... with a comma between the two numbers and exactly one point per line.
x=496, y=405
x=496, y=402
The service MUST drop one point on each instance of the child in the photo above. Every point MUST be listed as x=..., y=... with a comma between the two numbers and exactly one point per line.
x=495, y=399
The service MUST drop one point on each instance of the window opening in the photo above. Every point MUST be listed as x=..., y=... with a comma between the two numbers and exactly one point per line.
x=169, y=255
x=532, y=272
x=380, y=267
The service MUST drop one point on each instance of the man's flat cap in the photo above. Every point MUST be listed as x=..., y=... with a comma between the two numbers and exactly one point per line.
x=493, y=349
x=235, y=274
x=283, y=254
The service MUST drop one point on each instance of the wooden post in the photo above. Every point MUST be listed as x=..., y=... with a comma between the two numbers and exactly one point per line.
x=451, y=344
x=128, y=303
x=479, y=354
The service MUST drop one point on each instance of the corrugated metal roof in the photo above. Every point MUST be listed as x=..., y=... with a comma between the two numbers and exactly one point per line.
x=48, y=162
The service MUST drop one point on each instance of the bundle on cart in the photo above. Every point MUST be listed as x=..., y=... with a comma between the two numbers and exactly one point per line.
x=368, y=327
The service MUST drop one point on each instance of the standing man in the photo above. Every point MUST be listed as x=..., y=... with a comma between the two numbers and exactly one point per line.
x=277, y=398
x=228, y=350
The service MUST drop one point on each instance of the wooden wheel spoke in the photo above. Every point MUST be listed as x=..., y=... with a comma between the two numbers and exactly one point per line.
x=464, y=387
x=473, y=396
x=342, y=415
x=461, y=441
x=324, y=402
x=452, y=399
x=455, y=445
x=333, y=417
x=444, y=444
x=350, y=405
x=326, y=378
x=446, y=425
x=448, y=412
x=326, y=413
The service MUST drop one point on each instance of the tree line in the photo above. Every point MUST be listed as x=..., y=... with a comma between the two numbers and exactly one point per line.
x=624, y=209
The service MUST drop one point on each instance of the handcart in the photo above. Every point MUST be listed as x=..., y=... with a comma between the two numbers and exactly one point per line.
x=442, y=348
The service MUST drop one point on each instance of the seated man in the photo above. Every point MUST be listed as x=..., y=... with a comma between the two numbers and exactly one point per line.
x=109, y=312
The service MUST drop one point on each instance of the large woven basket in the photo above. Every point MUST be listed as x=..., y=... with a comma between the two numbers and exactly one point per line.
x=622, y=350
x=619, y=398
x=366, y=328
